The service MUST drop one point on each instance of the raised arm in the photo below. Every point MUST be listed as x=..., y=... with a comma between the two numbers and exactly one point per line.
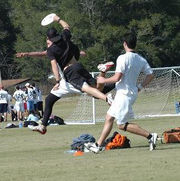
x=61, y=22
x=31, y=54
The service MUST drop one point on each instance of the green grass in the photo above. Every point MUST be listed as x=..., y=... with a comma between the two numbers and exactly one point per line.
x=29, y=156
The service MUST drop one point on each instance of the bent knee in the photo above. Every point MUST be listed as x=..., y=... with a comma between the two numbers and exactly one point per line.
x=123, y=126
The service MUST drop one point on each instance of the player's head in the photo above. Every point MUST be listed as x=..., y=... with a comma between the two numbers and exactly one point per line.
x=130, y=40
x=33, y=84
x=27, y=85
x=53, y=35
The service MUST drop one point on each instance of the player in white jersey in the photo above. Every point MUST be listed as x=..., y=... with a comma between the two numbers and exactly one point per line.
x=35, y=96
x=19, y=97
x=128, y=68
x=3, y=103
x=40, y=102
x=29, y=97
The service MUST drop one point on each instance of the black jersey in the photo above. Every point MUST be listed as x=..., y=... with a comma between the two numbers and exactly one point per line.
x=63, y=50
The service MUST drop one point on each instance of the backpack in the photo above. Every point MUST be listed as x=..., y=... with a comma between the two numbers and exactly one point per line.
x=172, y=136
x=117, y=141
x=33, y=123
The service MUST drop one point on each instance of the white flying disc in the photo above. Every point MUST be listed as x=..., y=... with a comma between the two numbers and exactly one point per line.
x=48, y=19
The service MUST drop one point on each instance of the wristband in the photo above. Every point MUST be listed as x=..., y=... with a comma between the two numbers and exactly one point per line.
x=59, y=20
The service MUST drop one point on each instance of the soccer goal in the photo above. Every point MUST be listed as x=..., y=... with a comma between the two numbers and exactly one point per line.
x=157, y=99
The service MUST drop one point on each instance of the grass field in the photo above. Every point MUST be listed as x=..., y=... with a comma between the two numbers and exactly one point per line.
x=29, y=156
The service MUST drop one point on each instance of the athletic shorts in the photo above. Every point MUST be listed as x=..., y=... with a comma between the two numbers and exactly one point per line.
x=3, y=108
x=64, y=89
x=121, y=108
x=19, y=106
x=77, y=75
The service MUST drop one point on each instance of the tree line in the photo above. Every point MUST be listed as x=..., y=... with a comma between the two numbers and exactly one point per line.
x=97, y=27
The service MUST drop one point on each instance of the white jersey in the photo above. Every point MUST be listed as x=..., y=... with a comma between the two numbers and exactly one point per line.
x=3, y=97
x=35, y=95
x=39, y=97
x=19, y=96
x=130, y=65
x=29, y=94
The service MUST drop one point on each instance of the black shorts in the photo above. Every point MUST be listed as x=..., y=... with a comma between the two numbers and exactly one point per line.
x=3, y=108
x=77, y=75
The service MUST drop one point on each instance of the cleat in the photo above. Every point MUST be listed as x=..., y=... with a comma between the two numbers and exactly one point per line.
x=109, y=99
x=93, y=147
x=152, y=141
x=105, y=67
x=40, y=128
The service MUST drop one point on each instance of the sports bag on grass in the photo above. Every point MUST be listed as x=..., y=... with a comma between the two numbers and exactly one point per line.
x=117, y=141
x=172, y=136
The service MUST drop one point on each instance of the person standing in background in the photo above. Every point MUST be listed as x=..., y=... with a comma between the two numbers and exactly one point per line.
x=3, y=104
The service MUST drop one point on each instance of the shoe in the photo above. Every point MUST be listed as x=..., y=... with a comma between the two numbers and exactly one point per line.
x=152, y=141
x=109, y=99
x=105, y=67
x=93, y=147
x=40, y=128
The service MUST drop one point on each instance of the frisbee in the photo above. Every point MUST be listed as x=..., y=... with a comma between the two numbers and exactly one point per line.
x=48, y=19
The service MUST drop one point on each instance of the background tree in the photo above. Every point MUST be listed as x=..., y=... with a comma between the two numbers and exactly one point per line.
x=97, y=27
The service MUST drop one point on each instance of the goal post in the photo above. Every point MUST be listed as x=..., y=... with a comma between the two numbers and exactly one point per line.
x=157, y=99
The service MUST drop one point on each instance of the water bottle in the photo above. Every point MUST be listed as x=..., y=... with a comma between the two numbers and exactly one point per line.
x=20, y=124
x=70, y=151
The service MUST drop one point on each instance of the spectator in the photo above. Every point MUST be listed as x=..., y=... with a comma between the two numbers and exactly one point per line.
x=29, y=98
x=40, y=102
x=33, y=116
x=19, y=97
x=3, y=103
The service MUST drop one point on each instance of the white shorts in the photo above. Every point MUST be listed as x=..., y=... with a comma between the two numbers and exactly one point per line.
x=121, y=108
x=19, y=106
x=64, y=89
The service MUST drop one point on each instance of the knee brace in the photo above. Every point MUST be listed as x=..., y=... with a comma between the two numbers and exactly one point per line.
x=125, y=126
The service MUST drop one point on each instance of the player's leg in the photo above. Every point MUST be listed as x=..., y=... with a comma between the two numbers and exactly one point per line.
x=82, y=80
x=97, y=147
x=134, y=128
x=49, y=102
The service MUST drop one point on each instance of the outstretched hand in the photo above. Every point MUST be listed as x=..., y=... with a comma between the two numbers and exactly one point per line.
x=82, y=53
x=20, y=55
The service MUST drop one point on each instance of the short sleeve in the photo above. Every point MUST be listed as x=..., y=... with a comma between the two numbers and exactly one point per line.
x=120, y=64
x=66, y=35
x=50, y=54
x=147, y=69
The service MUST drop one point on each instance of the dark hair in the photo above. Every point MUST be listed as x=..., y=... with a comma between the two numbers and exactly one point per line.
x=17, y=87
x=130, y=39
x=53, y=35
x=33, y=84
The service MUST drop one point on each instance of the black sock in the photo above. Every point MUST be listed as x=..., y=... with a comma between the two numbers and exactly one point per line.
x=149, y=136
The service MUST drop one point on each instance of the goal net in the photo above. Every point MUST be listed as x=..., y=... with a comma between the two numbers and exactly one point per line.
x=157, y=99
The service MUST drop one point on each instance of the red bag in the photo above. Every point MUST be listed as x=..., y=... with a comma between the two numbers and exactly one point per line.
x=172, y=136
